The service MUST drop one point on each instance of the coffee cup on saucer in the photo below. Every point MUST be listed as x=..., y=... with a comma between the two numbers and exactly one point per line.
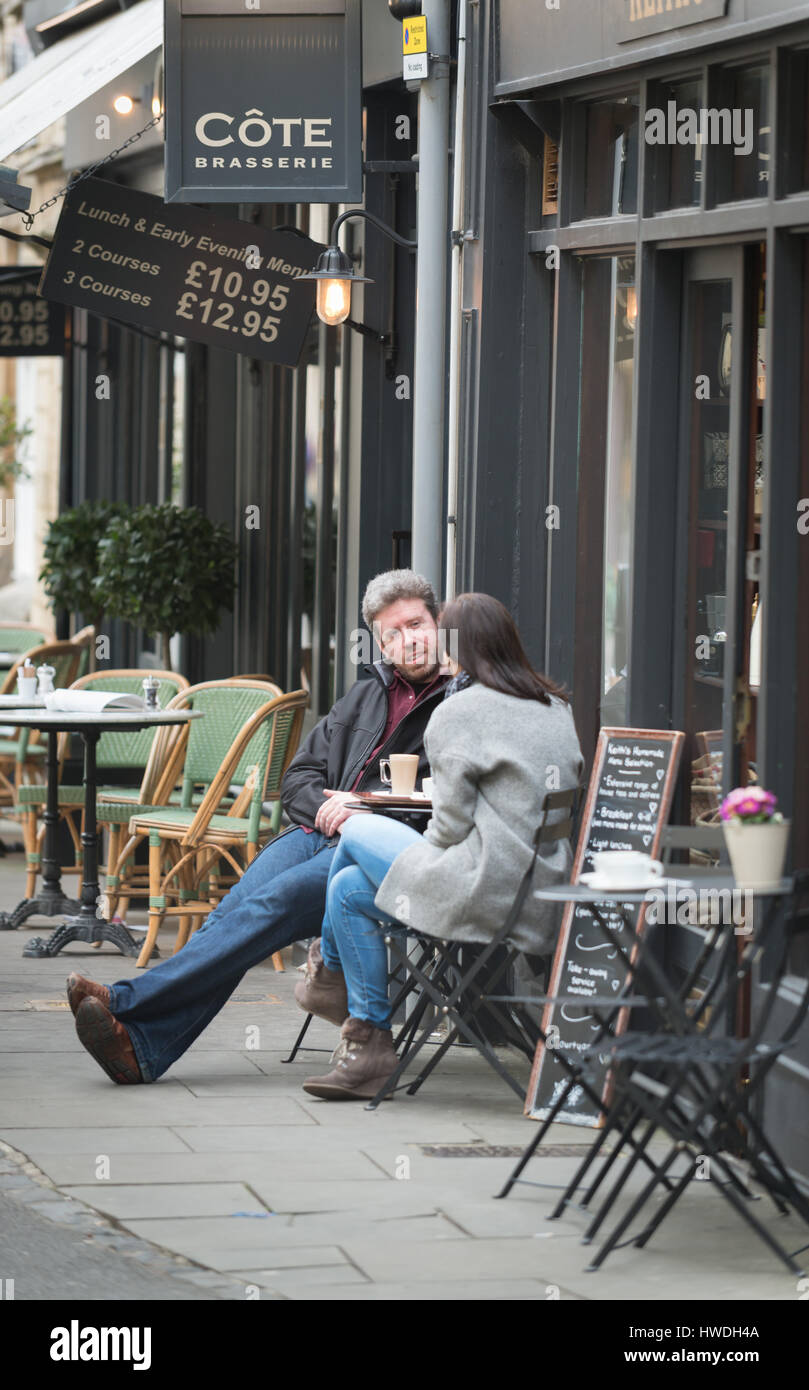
x=625, y=867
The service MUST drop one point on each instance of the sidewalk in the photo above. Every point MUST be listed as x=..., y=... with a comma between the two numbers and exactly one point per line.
x=270, y=1193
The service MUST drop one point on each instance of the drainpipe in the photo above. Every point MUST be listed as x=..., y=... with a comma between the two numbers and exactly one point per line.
x=454, y=373
x=431, y=281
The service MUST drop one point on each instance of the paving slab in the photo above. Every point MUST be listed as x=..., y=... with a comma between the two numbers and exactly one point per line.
x=155, y=1200
x=136, y=1105
x=107, y=1139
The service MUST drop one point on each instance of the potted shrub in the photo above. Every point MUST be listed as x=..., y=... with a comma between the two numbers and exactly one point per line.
x=756, y=835
x=12, y=438
x=72, y=556
x=167, y=569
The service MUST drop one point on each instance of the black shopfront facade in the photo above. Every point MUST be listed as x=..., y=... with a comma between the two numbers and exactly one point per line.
x=635, y=385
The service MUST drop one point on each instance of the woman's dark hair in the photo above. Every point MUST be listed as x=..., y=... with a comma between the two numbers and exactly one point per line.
x=481, y=635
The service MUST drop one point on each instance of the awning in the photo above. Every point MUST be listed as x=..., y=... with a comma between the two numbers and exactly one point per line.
x=74, y=69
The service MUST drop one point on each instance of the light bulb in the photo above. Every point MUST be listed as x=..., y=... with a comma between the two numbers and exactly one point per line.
x=631, y=306
x=333, y=301
x=156, y=106
x=123, y=105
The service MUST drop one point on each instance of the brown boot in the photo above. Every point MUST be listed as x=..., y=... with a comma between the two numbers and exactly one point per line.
x=322, y=991
x=108, y=1042
x=78, y=989
x=363, y=1059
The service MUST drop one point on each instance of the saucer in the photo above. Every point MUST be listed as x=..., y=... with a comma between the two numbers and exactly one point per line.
x=614, y=885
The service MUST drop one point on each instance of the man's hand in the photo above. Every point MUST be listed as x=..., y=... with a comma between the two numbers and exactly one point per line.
x=334, y=811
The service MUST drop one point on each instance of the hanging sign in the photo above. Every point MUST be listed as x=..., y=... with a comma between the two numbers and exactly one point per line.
x=29, y=325
x=124, y=255
x=415, y=63
x=263, y=101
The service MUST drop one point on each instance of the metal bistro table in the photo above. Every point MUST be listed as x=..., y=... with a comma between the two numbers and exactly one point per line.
x=82, y=920
x=683, y=1077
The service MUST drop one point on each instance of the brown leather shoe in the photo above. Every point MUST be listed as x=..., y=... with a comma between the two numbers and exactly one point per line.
x=108, y=1041
x=322, y=991
x=363, y=1059
x=78, y=988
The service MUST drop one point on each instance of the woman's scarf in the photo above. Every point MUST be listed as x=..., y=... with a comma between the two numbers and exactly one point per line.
x=458, y=682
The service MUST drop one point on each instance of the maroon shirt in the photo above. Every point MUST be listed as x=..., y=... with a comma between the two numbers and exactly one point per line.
x=402, y=697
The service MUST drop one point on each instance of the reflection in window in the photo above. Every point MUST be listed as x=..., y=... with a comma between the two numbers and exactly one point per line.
x=677, y=162
x=611, y=157
x=742, y=134
x=618, y=493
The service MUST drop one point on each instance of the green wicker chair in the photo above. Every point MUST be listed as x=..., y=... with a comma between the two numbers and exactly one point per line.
x=124, y=749
x=162, y=784
x=246, y=739
x=22, y=752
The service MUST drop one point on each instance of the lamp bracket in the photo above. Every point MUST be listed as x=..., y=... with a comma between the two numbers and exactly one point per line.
x=383, y=339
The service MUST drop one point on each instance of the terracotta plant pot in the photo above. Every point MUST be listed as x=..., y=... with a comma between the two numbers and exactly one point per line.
x=757, y=852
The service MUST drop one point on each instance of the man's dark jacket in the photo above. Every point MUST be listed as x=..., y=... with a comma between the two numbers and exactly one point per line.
x=333, y=753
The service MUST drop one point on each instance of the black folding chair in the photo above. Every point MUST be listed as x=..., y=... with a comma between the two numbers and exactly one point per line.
x=455, y=988
x=701, y=1088
x=674, y=839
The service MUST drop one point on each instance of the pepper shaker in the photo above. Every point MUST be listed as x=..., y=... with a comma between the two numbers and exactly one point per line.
x=150, y=688
x=45, y=675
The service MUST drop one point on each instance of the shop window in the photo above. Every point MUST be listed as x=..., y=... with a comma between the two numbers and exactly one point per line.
x=673, y=144
x=794, y=101
x=604, y=541
x=738, y=132
x=608, y=132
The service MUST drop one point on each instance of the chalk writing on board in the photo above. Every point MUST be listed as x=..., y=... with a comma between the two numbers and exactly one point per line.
x=627, y=805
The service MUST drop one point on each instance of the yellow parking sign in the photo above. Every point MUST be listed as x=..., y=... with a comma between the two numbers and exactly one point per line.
x=414, y=49
x=414, y=35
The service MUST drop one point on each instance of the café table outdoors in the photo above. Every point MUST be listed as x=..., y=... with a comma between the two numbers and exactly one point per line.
x=697, y=1048
x=82, y=919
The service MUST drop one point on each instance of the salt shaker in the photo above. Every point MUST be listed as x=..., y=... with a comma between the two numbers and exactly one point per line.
x=45, y=675
x=150, y=688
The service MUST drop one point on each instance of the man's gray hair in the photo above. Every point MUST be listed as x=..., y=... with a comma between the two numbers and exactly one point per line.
x=384, y=589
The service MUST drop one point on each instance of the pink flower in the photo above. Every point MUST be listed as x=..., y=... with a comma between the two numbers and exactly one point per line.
x=748, y=803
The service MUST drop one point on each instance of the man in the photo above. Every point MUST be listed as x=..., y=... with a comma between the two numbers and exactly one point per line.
x=136, y=1028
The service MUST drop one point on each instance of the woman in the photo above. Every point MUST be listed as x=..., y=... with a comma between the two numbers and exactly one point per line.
x=503, y=736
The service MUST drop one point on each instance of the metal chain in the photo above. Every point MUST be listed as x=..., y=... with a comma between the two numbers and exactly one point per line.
x=28, y=217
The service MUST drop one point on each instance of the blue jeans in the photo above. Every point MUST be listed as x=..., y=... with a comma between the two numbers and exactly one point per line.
x=351, y=937
x=279, y=899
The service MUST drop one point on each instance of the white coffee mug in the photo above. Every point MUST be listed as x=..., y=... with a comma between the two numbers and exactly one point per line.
x=402, y=770
x=626, y=866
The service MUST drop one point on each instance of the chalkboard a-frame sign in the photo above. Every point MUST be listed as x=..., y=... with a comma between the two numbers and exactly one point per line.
x=263, y=101
x=628, y=804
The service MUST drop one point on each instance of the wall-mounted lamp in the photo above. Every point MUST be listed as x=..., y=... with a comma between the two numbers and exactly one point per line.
x=125, y=104
x=335, y=274
x=631, y=307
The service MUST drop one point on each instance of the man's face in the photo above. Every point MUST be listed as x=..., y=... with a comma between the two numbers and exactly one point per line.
x=408, y=636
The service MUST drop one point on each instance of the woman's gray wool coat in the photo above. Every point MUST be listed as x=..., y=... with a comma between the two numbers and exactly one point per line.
x=492, y=757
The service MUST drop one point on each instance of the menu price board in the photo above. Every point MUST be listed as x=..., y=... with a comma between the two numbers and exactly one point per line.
x=125, y=255
x=29, y=325
x=627, y=806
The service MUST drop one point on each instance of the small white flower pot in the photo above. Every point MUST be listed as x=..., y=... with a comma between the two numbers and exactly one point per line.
x=757, y=852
